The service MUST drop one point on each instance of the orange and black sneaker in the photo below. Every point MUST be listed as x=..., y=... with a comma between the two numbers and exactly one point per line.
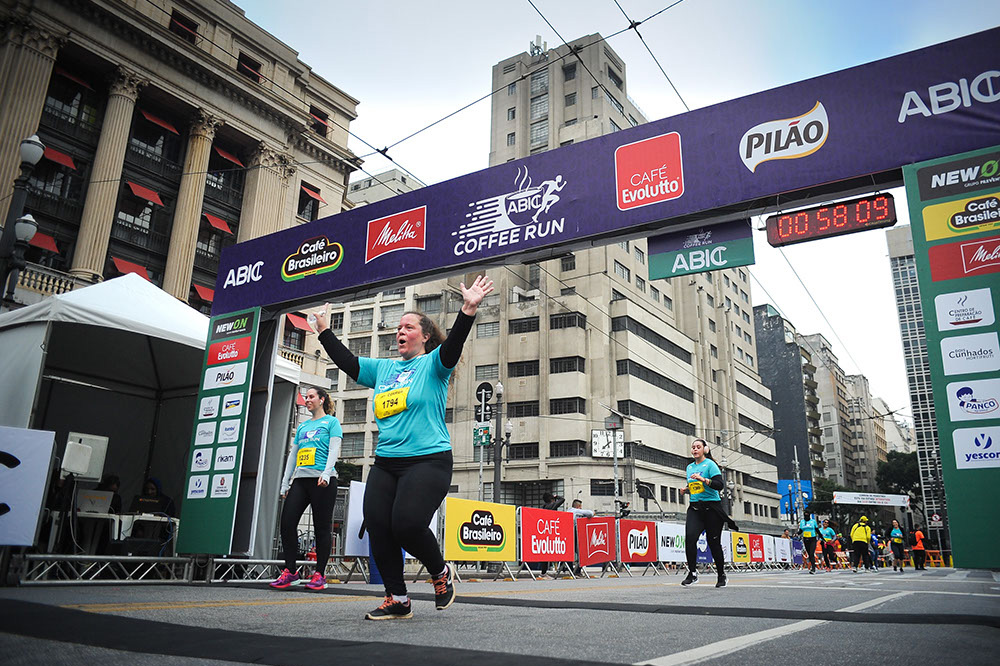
x=391, y=610
x=444, y=589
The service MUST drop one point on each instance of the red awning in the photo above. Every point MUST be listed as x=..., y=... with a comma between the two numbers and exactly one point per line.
x=44, y=241
x=128, y=267
x=218, y=223
x=314, y=195
x=54, y=155
x=228, y=156
x=75, y=79
x=156, y=120
x=204, y=293
x=299, y=322
x=144, y=193
x=320, y=119
x=299, y=400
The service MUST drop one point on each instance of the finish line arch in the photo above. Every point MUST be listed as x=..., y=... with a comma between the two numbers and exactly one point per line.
x=839, y=134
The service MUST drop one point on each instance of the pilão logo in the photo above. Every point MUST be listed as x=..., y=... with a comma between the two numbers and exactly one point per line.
x=787, y=139
x=315, y=256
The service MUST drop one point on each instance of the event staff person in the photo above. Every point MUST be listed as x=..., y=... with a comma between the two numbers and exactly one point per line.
x=897, y=544
x=861, y=535
x=919, y=550
x=413, y=459
x=705, y=512
x=809, y=529
x=829, y=537
x=307, y=481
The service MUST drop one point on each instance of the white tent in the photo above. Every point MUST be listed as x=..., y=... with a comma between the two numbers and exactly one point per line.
x=122, y=359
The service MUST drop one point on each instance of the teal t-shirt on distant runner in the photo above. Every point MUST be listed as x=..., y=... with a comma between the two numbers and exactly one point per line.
x=409, y=403
x=896, y=535
x=698, y=491
x=809, y=527
x=312, y=442
x=828, y=533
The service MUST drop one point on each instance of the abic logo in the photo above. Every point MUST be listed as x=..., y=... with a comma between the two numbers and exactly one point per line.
x=243, y=275
x=787, y=139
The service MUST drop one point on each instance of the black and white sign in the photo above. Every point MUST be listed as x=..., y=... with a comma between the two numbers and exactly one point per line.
x=484, y=392
x=25, y=461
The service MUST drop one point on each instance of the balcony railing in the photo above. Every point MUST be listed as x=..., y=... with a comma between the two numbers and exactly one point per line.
x=153, y=162
x=140, y=237
x=293, y=355
x=70, y=126
x=205, y=261
x=47, y=281
x=54, y=206
x=222, y=193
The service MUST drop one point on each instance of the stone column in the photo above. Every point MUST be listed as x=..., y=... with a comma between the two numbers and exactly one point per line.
x=187, y=214
x=266, y=193
x=27, y=56
x=105, y=178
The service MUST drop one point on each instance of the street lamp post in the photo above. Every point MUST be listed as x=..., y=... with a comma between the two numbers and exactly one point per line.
x=498, y=444
x=19, y=229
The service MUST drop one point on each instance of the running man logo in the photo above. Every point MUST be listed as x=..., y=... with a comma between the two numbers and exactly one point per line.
x=787, y=139
x=481, y=533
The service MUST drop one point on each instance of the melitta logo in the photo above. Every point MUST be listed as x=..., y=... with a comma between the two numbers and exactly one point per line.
x=243, y=275
x=787, y=139
x=597, y=539
x=974, y=447
x=480, y=532
x=948, y=96
x=511, y=218
x=970, y=258
x=315, y=256
x=402, y=231
x=638, y=541
x=981, y=256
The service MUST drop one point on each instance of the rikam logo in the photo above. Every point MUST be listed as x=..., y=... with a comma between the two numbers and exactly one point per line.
x=314, y=257
x=481, y=533
x=966, y=259
x=649, y=171
x=401, y=231
x=786, y=139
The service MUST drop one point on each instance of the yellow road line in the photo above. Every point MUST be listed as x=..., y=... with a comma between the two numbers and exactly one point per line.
x=181, y=605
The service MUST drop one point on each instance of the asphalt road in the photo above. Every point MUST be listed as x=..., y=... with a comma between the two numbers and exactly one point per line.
x=774, y=617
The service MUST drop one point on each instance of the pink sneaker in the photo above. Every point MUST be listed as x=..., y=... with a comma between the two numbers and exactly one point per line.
x=317, y=582
x=286, y=579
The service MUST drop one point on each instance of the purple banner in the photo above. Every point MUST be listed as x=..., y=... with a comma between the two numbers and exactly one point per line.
x=798, y=552
x=866, y=120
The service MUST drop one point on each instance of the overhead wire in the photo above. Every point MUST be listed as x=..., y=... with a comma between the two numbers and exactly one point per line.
x=634, y=25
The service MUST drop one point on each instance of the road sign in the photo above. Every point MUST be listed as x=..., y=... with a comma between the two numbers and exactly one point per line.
x=484, y=414
x=935, y=521
x=484, y=392
x=613, y=422
x=481, y=435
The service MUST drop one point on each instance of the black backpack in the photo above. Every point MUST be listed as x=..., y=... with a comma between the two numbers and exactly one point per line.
x=912, y=539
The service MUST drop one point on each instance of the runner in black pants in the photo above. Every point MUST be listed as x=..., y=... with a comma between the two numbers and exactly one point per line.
x=413, y=461
x=705, y=512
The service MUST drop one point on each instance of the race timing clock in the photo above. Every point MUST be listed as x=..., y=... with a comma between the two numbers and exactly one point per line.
x=845, y=217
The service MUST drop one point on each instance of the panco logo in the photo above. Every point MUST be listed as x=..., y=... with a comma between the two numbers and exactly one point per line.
x=481, y=532
x=315, y=256
x=402, y=231
x=638, y=541
x=649, y=171
x=787, y=139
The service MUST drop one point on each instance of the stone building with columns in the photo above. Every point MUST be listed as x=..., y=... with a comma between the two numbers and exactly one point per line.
x=172, y=130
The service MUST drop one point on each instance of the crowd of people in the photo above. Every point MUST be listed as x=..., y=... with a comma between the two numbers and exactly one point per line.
x=863, y=545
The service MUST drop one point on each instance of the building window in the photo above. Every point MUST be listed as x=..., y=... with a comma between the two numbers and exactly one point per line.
x=511, y=113
x=333, y=374
x=249, y=68
x=595, y=93
x=654, y=293
x=617, y=295
x=389, y=316
x=337, y=322
x=711, y=325
x=319, y=121
x=429, y=304
x=571, y=99
x=539, y=107
x=614, y=126
x=745, y=296
x=293, y=338
x=523, y=451
x=640, y=256
x=183, y=27
x=568, y=320
x=386, y=346
x=567, y=291
x=566, y=364
x=308, y=208
x=512, y=89
x=749, y=360
x=360, y=346
x=622, y=271
x=570, y=121
x=569, y=72
x=539, y=132
x=746, y=336
x=394, y=293
x=355, y=410
x=673, y=495
x=361, y=320
x=710, y=300
x=352, y=445
x=488, y=329
x=746, y=317
x=522, y=369
x=567, y=406
x=568, y=263
x=511, y=139
x=602, y=488
x=714, y=351
x=640, y=284
x=539, y=81
x=668, y=302
x=615, y=79
x=516, y=410
x=526, y=325
x=569, y=448
x=484, y=372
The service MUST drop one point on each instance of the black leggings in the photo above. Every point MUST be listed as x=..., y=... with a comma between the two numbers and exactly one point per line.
x=829, y=554
x=810, y=544
x=897, y=554
x=306, y=492
x=401, y=495
x=708, y=519
x=859, y=552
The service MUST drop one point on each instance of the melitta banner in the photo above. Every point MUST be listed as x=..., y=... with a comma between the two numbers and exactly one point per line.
x=741, y=547
x=704, y=249
x=675, y=173
x=871, y=499
x=638, y=540
x=598, y=540
x=670, y=542
x=479, y=531
x=546, y=536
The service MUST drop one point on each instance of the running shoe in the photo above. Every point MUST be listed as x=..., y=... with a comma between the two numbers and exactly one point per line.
x=317, y=582
x=391, y=610
x=286, y=579
x=444, y=589
x=692, y=578
x=722, y=580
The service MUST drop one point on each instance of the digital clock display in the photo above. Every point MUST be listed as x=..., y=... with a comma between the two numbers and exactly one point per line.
x=845, y=217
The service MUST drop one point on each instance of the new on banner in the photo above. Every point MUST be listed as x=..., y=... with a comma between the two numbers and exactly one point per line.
x=670, y=542
x=479, y=531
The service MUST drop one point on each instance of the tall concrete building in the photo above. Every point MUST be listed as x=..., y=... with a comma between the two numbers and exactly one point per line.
x=787, y=369
x=867, y=432
x=572, y=336
x=837, y=437
x=918, y=374
x=898, y=434
x=376, y=187
x=171, y=131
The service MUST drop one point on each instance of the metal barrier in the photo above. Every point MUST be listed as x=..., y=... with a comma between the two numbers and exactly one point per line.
x=98, y=569
x=232, y=570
